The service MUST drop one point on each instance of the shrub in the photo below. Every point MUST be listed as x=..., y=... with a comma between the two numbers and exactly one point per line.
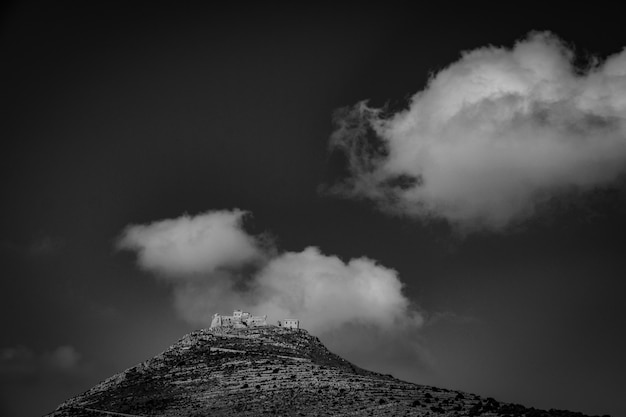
x=475, y=410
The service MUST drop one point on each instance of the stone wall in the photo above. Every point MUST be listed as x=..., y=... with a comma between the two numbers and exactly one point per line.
x=239, y=319
x=289, y=323
x=243, y=319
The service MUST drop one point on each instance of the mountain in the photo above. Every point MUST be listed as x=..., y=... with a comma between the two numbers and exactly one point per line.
x=269, y=371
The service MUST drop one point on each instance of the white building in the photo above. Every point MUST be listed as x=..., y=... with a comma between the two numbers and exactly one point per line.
x=289, y=323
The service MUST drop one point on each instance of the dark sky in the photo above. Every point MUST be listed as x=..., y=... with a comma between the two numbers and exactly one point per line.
x=115, y=114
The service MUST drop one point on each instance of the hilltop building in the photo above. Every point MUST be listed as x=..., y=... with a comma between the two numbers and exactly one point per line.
x=243, y=319
x=239, y=319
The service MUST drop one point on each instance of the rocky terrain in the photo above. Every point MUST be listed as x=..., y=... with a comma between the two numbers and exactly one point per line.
x=270, y=371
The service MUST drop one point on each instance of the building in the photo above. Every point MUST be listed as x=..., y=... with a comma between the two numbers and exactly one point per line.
x=289, y=323
x=243, y=319
x=239, y=319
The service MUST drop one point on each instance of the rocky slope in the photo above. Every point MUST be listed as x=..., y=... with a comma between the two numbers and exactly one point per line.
x=269, y=371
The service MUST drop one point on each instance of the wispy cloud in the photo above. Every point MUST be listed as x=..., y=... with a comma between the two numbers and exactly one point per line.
x=491, y=137
x=46, y=245
x=214, y=265
x=23, y=361
x=41, y=246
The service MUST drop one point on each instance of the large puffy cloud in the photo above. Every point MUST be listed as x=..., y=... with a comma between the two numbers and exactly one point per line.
x=328, y=293
x=323, y=291
x=491, y=136
x=192, y=245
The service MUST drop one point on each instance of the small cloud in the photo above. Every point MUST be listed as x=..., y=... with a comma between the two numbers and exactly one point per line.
x=46, y=245
x=192, y=245
x=38, y=381
x=18, y=359
x=42, y=246
x=63, y=358
x=24, y=361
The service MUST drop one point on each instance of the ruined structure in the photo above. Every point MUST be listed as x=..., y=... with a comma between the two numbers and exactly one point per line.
x=243, y=319
x=239, y=319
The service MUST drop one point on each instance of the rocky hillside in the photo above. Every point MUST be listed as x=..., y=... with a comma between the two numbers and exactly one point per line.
x=269, y=371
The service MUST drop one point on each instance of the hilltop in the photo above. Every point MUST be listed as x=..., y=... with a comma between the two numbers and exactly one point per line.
x=269, y=371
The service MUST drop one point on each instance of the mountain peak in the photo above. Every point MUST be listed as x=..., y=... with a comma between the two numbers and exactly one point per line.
x=268, y=370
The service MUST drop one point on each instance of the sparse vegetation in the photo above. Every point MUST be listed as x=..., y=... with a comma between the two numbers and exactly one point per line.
x=292, y=374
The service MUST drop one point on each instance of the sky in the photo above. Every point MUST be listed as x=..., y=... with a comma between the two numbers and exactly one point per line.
x=438, y=195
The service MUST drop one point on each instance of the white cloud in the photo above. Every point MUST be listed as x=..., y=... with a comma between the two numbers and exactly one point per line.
x=192, y=244
x=327, y=293
x=323, y=291
x=491, y=136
